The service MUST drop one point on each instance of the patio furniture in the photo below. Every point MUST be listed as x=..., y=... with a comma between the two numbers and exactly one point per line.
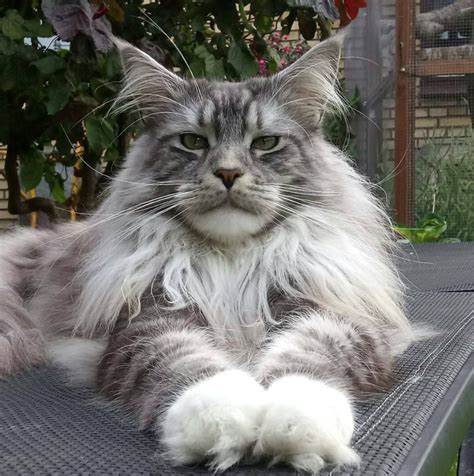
x=48, y=428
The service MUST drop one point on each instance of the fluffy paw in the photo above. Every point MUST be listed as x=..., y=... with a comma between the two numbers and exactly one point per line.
x=216, y=420
x=306, y=424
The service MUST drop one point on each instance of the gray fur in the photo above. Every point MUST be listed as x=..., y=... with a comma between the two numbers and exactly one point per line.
x=294, y=278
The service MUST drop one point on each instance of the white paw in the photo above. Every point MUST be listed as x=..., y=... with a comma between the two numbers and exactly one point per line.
x=306, y=424
x=216, y=420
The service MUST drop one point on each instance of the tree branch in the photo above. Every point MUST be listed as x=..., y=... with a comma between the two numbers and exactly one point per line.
x=17, y=206
x=433, y=23
x=87, y=192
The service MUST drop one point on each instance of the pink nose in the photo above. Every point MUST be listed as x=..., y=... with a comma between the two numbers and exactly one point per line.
x=228, y=176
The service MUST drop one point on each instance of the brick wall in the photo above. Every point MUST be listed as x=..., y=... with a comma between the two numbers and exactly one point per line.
x=437, y=118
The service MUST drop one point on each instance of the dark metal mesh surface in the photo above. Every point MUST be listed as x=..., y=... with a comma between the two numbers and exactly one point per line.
x=47, y=428
x=433, y=266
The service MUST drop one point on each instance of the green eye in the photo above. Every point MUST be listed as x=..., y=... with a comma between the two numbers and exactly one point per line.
x=193, y=141
x=265, y=142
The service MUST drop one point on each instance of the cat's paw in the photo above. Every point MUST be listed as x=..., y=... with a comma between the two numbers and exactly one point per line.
x=216, y=420
x=307, y=424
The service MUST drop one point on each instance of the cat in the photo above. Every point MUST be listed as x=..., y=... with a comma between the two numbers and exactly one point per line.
x=235, y=288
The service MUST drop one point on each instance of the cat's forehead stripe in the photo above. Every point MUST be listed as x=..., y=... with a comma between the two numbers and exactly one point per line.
x=235, y=111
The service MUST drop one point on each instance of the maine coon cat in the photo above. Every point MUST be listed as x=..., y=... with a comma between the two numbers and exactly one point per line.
x=235, y=288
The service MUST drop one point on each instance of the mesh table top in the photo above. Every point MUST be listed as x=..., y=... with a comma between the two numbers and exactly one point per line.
x=47, y=427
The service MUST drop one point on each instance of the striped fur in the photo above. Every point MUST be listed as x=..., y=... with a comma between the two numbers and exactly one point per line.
x=237, y=321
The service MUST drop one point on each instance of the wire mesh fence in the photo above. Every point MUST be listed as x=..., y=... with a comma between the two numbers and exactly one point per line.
x=413, y=62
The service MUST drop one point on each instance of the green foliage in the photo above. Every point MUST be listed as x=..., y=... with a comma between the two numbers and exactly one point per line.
x=444, y=187
x=100, y=133
x=445, y=184
x=32, y=164
x=54, y=96
x=46, y=92
x=337, y=126
x=429, y=229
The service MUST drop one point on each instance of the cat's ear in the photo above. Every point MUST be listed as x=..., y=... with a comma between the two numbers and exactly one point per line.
x=147, y=84
x=310, y=83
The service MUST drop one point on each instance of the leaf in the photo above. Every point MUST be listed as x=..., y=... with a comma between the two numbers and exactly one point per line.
x=307, y=24
x=58, y=96
x=50, y=64
x=198, y=67
x=214, y=68
x=12, y=25
x=325, y=8
x=100, y=133
x=56, y=187
x=39, y=28
x=201, y=51
x=32, y=164
x=111, y=154
x=198, y=22
x=114, y=64
x=274, y=62
x=242, y=60
x=263, y=23
x=325, y=26
x=287, y=22
x=8, y=71
x=429, y=229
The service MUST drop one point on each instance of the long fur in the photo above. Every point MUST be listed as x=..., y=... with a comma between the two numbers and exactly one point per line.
x=186, y=299
x=335, y=259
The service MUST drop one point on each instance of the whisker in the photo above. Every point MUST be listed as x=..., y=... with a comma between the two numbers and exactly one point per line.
x=152, y=22
x=141, y=184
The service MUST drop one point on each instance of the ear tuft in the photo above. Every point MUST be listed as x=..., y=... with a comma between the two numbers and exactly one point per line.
x=148, y=85
x=310, y=83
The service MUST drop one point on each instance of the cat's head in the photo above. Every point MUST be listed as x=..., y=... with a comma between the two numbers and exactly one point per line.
x=230, y=160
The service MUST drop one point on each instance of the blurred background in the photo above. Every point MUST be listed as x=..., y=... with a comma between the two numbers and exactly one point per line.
x=407, y=74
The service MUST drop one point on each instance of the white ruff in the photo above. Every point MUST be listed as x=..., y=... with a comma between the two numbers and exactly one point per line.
x=341, y=267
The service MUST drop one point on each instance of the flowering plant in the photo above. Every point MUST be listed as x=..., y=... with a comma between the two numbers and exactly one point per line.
x=281, y=54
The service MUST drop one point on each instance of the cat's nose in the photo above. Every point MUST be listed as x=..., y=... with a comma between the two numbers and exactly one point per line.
x=228, y=176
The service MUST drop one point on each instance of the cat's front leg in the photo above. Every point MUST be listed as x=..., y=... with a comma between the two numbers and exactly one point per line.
x=177, y=381
x=312, y=368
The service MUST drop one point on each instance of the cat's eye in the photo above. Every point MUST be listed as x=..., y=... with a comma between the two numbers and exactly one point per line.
x=265, y=142
x=193, y=141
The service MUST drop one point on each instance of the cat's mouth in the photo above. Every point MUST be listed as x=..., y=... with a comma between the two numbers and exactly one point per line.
x=230, y=203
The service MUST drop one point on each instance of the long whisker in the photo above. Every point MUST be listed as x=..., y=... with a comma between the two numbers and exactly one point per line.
x=324, y=210
x=153, y=23
x=140, y=184
x=301, y=190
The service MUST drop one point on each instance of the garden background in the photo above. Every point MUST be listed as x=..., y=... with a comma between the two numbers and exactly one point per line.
x=59, y=76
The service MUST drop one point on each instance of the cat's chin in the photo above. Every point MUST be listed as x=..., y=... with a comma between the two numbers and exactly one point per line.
x=228, y=224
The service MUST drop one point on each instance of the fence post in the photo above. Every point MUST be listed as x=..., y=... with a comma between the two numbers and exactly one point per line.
x=405, y=85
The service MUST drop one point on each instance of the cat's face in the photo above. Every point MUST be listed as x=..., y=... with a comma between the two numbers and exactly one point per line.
x=230, y=160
